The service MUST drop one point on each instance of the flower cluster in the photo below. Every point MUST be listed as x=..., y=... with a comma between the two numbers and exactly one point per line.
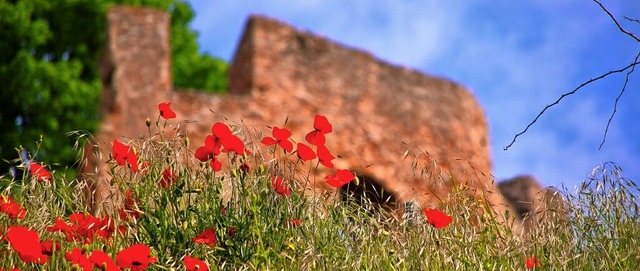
x=12, y=208
x=316, y=138
x=82, y=229
x=220, y=140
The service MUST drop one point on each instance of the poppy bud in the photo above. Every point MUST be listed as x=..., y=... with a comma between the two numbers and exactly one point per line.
x=148, y=122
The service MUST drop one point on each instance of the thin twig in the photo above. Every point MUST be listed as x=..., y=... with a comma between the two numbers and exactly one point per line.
x=565, y=95
x=632, y=19
x=615, y=105
x=616, y=21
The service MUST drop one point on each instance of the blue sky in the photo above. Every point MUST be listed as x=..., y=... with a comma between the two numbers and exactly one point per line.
x=516, y=57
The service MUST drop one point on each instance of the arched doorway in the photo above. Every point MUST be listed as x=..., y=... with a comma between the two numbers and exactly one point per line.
x=369, y=194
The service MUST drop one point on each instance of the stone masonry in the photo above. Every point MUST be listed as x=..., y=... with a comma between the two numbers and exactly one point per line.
x=414, y=134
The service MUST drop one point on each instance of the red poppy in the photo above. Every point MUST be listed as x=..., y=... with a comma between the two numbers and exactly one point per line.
x=532, y=262
x=342, y=177
x=39, y=172
x=436, y=218
x=130, y=209
x=102, y=261
x=207, y=237
x=209, y=151
x=321, y=126
x=124, y=154
x=325, y=156
x=165, y=110
x=280, y=137
x=245, y=167
x=168, y=178
x=230, y=142
x=106, y=227
x=84, y=227
x=27, y=243
x=194, y=264
x=12, y=208
x=280, y=187
x=305, y=153
x=61, y=226
x=48, y=247
x=232, y=231
x=79, y=259
x=135, y=257
x=293, y=223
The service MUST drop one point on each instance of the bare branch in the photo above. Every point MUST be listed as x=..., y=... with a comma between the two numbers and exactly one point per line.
x=568, y=94
x=632, y=20
x=616, y=22
x=615, y=105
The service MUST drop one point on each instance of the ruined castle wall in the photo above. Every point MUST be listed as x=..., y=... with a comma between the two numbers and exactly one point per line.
x=413, y=132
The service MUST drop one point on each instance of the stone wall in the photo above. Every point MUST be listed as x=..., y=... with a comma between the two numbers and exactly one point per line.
x=413, y=133
x=532, y=202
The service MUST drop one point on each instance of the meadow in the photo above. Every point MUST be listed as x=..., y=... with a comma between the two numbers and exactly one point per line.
x=226, y=207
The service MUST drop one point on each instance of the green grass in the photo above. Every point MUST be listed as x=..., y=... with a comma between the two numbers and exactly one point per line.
x=599, y=232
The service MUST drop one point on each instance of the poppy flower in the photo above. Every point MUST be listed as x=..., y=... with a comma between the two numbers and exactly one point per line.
x=48, y=247
x=39, y=172
x=194, y=264
x=280, y=187
x=27, y=243
x=135, y=257
x=12, y=208
x=436, y=218
x=325, y=156
x=79, y=259
x=124, y=154
x=280, y=137
x=207, y=237
x=102, y=261
x=84, y=227
x=209, y=151
x=168, y=178
x=305, y=153
x=293, y=223
x=342, y=177
x=245, y=167
x=165, y=110
x=61, y=226
x=229, y=141
x=232, y=231
x=532, y=262
x=321, y=126
x=130, y=209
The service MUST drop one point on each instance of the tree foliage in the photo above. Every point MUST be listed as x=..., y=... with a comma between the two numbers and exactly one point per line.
x=49, y=73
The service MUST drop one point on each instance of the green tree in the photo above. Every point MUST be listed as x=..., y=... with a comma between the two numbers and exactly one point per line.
x=49, y=74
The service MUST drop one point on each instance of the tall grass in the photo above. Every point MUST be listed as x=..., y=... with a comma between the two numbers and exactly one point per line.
x=596, y=228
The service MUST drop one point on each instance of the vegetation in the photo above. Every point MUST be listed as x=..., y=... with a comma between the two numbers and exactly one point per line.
x=231, y=206
x=49, y=55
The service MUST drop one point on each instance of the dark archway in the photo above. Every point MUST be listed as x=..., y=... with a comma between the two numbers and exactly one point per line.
x=369, y=194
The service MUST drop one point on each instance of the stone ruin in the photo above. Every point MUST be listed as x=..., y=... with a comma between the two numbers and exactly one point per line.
x=531, y=202
x=412, y=135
